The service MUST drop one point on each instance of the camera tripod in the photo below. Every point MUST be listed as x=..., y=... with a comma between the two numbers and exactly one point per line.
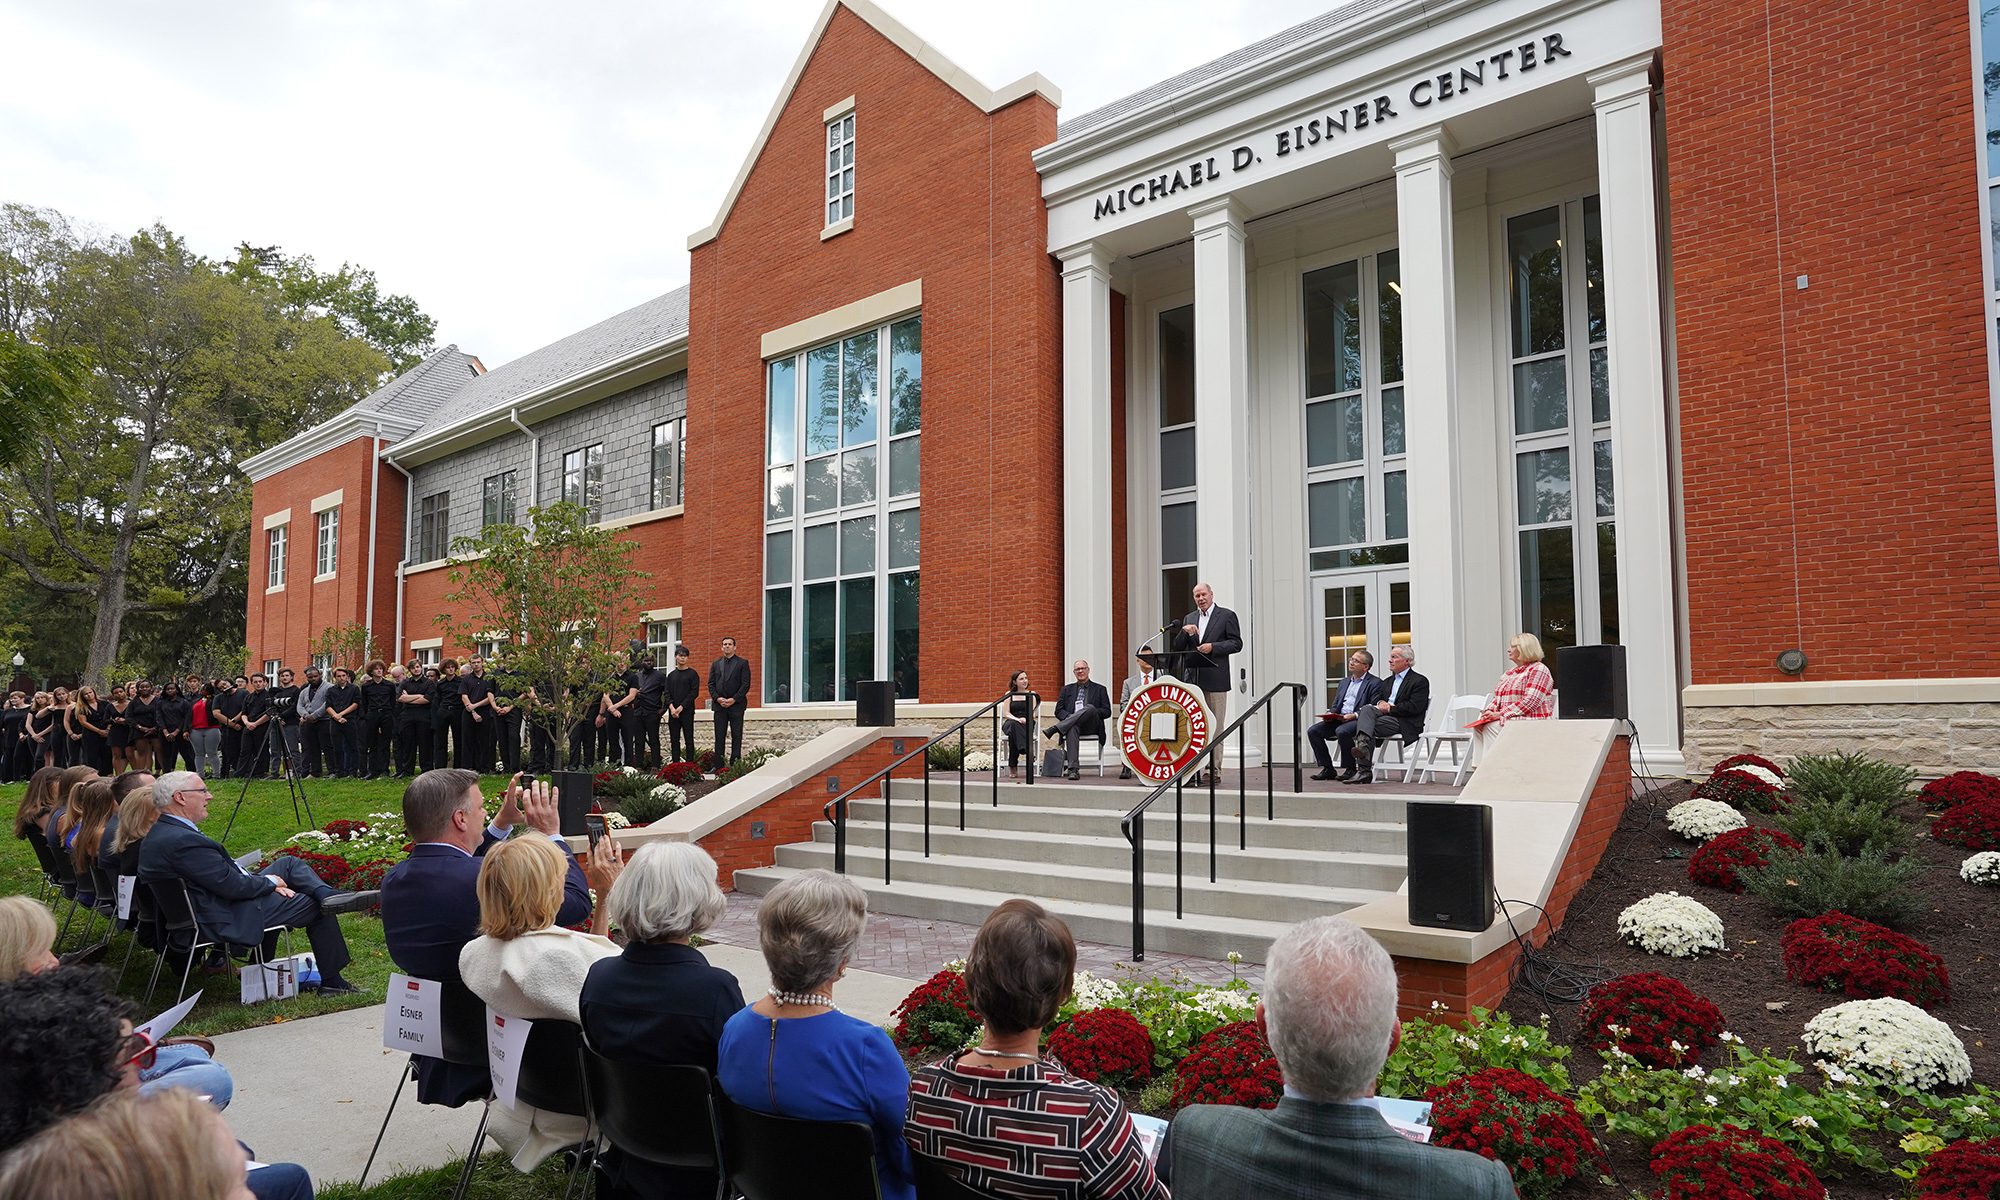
x=287, y=765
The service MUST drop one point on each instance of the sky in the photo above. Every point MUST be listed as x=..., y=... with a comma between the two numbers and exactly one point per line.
x=521, y=169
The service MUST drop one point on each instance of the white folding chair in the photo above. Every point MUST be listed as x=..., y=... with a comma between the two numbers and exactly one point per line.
x=1452, y=732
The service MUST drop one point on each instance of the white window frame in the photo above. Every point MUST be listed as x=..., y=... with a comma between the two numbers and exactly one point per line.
x=583, y=479
x=429, y=656
x=275, y=539
x=329, y=543
x=271, y=668
x=325, y=664
x=675, y=491
x=434, y=527
x=661, y=645
x=839, y=174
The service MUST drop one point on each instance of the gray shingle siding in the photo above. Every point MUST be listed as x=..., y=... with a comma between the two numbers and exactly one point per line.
x=623, y=423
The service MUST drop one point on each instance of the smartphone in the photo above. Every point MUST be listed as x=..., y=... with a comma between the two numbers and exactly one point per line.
x=593, y=824
x=527, y=780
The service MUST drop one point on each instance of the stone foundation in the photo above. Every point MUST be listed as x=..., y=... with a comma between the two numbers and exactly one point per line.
x=1936, y=727
x=790, y=728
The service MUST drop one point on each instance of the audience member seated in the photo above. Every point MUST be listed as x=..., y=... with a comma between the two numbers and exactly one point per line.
x=27, y=933
x=430, y=900
x=65, y=1042
x=794, y=1054
x=1329, y=1009
x=968, y=1110
x=93, y=810
x=188, y=1154
x=660, y=1001
x=123, y=787
x=1526, y=692
x=60, y=824
x=232, y=904
x=525, y=965
x=36, y=803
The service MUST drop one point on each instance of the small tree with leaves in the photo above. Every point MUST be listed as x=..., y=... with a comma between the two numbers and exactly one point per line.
x=556, y=592
x=348, y=644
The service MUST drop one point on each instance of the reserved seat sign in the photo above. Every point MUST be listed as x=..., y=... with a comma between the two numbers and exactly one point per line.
x=506, y=1039
x=410, y=1018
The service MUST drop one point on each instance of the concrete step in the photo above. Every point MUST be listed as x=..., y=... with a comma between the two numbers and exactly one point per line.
x=1250, y=899
x=1380, y=872
x=1378, y=837
x=1206, y=936
x=1376, y=803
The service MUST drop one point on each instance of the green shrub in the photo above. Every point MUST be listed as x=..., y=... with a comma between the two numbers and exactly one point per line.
x=1818, y=880
x=656, y=802
x=751, y=760
x=1431, y=1055
x=944, y=756
x=1868, y=780
x=1847, y=823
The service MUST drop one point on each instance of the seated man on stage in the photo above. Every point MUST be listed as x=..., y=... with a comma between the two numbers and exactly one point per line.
x=1081, y=711
x=430, y=900
x=1406, y=697
x=1137, y=681
x=233, y=905
x=1358, y=691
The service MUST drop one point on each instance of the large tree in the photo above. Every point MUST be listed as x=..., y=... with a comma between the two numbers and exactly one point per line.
x=136, y=506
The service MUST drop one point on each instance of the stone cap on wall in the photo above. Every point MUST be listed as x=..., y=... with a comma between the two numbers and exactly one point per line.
x=1973, y=690
x=1538, y=777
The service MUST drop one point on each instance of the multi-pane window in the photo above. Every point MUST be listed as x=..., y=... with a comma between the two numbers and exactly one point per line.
x=488, y=648
x=669, y=463
x=271, y=668
x=583, y=479
x=434, y=527
x=1177, y=458
x=661, y=638
x=1561, y=391
x=325, y=664
x=274, y=556
x=839, y=169
x=496, y=499
x=430, y=656
x=843, y=438
x=329, y=541
x=1357, y=478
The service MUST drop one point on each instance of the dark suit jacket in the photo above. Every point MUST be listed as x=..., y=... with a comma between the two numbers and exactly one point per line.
x=729, y=677
x=1371, y=691
x=430, y=910
x=1302, y=1149
x=223, y=895
x=1225, y=635
x=1093, y=698
x=1413, y=701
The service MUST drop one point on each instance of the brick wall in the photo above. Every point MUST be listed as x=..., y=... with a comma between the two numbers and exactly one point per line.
x=789, y=818
x=1837, y=441
x=1460, y=986
x=948, y=194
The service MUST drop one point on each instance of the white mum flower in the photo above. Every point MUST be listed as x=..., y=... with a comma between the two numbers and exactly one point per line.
x=978, y=760
x=1763, y=773
x=1803, y=1122
x=1982, y=868
x=1671, y=924
x=1887, y=1041
x=1711, y=1101
x=1703, y=819
x=671, y=792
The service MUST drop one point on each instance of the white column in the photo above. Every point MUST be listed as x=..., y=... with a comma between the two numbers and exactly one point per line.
x=1222, y=414
x=1430, y=388
x=1088, y=556
x=1629, y=206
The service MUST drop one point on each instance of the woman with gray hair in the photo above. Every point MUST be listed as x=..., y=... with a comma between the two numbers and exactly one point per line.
x=793, y=1053
x=660, y=1001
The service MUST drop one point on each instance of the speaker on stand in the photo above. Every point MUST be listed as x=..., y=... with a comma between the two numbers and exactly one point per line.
x=1450, y=849
x=1590, y=683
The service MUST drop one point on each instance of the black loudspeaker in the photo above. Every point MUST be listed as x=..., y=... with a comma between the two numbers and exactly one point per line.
x=1590, y=683
x=875, y=703
x=573, y=796
x=1450, y=849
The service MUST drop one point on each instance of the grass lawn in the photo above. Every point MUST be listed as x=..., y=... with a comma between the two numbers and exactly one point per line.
x=265, y=823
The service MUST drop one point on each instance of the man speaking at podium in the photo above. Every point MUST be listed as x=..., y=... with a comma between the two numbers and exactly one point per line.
x=1210, y=630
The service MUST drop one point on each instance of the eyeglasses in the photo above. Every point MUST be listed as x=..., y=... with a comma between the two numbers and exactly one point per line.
x=138, y=1049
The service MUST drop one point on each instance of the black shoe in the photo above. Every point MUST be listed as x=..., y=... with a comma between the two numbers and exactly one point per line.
x=1124, y=772
x=340, y=902
x=1325, y=774
x=338, y=988
x=1072, y=773
x=87, y=956
x=1051, y=730
x=1362, y=777
x=1346, y=774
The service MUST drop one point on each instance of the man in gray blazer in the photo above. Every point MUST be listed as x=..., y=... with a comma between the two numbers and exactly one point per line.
x=1330, y=1010
x=1142, y=676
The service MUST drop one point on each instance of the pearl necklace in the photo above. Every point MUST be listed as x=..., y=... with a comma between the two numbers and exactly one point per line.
x=803, y=999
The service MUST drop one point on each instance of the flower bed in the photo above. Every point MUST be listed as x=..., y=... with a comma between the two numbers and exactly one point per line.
x=937, y=1015
x=1715, y=864
x=1700, y=820
x=1652, y=1017
x=1755, y=764
x=1741, y=789
x=678, y=773
x=1963, y=1170
x=1959, y=787
x=1231, y=1064
x=1671, y=924
x=1517, y=1121
x=1705, y=1161
x=351, y=855
x=1974, y=825
x=1886, y=1041
x=1104, y=1045
x=1839, y=953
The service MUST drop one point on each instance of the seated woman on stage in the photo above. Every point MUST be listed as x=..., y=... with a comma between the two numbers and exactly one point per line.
x=1018, y=720
x=794, y=1054
x=1021, y=969
x=1526, y=692
x=525, y=965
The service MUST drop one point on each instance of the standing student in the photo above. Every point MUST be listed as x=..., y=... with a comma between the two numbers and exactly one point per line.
x=59, y=699
x=505, y=705
x=256, y=719
x=205, y=734
x=378, y=718
x=143, y=712
x=118, y=730
x=41, y=727
x=174, y=711
x=13, y=732
x=683, y=692
x=311, y=747
x=283, y=741
x=472, y=727
x=729, y=695
x=226, y=706
x=414, y=697
x=341, y=732
x=90, y=727
x=444, y=713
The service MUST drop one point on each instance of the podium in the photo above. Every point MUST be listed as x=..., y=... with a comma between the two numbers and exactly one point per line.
x=1172, y=666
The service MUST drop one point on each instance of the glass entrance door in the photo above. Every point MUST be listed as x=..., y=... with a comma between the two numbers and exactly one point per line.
x=1360, y=610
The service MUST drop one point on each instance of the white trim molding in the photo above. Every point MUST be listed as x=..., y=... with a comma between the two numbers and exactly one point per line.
x=867, y=311
x=330, y=500
x=836, y=229
x=324, y=578
x=838, y=110
x=1969, y=690
x=661, y=614
x=647, y=517
x=436, y=643
x=282, y=517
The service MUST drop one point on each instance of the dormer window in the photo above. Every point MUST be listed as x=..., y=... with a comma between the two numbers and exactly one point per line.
x=840, y=168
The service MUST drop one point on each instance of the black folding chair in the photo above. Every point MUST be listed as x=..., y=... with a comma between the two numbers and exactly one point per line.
x=104, y=890
x=175, y=914
x=66, y=882
x=935, y=1183
x=551, y=1079
x=462, y=1028
x=51, y=881
x=783, y=1158
x=143, y=918
x=658, y=1112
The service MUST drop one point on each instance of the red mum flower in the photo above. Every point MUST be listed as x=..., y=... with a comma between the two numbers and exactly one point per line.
x=1960, y=787
x=1231, y=1064
x=1716, y=863
x=1974, y=825
x=1517, y=1121
x=1703, y=1161
x=1104, y=1045
x=1654, y=1013
x=1839, y=953
x=1964, y=1170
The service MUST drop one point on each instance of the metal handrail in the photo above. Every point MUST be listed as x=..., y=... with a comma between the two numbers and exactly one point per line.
x=1133, y=824
x=835, y=810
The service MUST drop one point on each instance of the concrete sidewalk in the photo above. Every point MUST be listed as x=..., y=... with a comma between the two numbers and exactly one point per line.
x=313, y=1091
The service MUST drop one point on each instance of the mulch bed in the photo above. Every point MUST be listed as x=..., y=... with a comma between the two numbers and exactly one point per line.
x=1645, y=857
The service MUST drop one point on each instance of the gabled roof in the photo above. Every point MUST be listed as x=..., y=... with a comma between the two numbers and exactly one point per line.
x=394, y=411
x=927, y=56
